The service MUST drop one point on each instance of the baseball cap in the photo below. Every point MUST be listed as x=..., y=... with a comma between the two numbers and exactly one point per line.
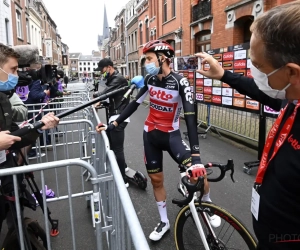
x=104, y=63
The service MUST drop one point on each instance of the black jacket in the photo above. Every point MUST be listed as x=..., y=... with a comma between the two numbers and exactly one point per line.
x=6, y=123
x=115, y=81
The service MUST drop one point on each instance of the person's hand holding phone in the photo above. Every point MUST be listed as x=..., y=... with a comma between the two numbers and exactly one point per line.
x=215, y=71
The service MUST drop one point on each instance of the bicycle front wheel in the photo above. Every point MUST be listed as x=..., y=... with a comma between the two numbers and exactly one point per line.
x=231, y=234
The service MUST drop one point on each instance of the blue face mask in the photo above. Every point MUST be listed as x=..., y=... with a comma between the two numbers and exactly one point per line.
x=11, y=82
x=152, y=69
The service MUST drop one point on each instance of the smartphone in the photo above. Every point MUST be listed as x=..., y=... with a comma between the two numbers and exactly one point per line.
x=187, y=63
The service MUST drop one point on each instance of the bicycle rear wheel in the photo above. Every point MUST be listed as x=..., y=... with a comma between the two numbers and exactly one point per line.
x=231, y=234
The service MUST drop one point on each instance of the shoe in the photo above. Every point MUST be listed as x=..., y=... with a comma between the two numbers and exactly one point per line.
x=126, y=169
x=38, y=155
x=214, y=220
x=159, y=231
x=125, y=181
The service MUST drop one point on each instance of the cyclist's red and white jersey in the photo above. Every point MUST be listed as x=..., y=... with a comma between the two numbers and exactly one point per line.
x=167, y=98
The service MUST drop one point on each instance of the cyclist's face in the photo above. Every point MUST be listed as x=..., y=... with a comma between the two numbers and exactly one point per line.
x=150, y=58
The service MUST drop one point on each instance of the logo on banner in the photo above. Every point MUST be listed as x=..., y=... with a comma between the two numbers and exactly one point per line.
x=228, y=56
x=160, y=94
x=217, y=99
x=270, y=111
x=199, y=97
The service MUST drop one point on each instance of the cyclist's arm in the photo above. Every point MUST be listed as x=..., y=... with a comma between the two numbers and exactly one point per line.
x=189, y=115
x=132, y=107
x=247, y=86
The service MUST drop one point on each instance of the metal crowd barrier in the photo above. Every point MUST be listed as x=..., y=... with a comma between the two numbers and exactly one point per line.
x=117, y=225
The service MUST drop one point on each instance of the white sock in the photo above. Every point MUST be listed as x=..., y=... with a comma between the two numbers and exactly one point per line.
x=206, y=197
x=162, y=209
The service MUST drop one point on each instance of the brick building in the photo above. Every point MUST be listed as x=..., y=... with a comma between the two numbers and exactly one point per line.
x=74, y=63
x=20, y=22
x=131, y=29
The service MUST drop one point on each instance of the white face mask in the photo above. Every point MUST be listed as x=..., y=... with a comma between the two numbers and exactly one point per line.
x=261, y=80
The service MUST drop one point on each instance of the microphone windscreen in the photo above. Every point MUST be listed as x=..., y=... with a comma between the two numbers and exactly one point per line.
x=138, y=81
x=29, y=54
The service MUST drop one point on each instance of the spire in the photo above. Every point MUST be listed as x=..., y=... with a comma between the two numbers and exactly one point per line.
x=105, y=30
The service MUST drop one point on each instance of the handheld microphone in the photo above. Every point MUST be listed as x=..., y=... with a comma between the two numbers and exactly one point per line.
x=136, y=82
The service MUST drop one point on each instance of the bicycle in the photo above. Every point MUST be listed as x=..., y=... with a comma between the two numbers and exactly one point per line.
x=192, y=205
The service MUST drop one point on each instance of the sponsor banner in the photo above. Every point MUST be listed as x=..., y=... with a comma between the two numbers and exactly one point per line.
x=208, y=82
x=240, y=71
x=237, y=94
x=240, y=54
x=191, y=75
x=251, y=104
x=218, y=57
x=240, y=64
x=249, y=63
x=207, y=98
x=217, y=83
x=248, y=73
x=217, y=99
x=199, y=89
x=208, y=90
x=270, y=111
x=199, y=97
x=217, y=91
x=227, y=92
x=199, y=82
x=238, y=102
x=228, y=65
x=226, y=100
x=198, y=75
x=228, y=56
x=225, y=85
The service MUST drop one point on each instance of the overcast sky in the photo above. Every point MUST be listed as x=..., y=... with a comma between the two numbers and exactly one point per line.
x=80, y=22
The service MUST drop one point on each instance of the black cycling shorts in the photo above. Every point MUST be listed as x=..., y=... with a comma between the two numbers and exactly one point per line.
x=156, y=141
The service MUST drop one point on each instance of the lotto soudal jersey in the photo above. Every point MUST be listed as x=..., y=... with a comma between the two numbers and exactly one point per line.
x=168, y=97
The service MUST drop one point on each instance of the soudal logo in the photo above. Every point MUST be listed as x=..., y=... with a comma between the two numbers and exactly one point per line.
x=217, y=99
x=161, y=48
x=160, y=94
x=228, y=56
x=161, y=108
x=240, y=64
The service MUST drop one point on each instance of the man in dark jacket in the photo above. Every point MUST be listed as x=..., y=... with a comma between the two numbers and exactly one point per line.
x=115, y=80
x=275, y=56
x=8, y=81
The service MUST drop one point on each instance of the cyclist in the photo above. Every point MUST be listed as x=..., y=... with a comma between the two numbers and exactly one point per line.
x=169, y=93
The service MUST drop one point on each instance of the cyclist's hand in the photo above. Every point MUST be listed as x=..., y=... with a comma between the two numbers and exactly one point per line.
x=101, y=127
x=196, y=171
x=215, y=69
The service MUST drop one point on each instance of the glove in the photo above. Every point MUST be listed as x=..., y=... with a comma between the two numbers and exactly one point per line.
x=196, y=160
x=108, y=128
x=197, y=170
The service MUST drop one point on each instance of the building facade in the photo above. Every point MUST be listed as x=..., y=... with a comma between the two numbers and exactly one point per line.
x=74, y=58
x=86, y=65
x=65, y=61
x=35, y=22
x=131, y=29
x=20, y=22
x=6, y=25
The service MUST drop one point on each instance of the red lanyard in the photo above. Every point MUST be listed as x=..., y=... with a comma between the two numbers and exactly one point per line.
x=283, y=134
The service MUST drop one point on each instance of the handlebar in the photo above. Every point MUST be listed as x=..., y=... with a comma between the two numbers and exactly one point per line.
x=199, y=186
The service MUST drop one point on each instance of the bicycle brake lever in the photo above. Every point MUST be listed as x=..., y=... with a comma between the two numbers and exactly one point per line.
x=231, y=175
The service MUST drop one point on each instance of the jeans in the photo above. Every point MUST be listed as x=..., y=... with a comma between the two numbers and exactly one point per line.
x=116, y=140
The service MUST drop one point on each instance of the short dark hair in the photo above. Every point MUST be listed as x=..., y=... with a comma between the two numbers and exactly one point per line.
x=7, y=52
x=279, y=30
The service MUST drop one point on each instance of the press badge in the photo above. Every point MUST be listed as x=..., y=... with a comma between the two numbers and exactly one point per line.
x=2, y=156
x=255, y=203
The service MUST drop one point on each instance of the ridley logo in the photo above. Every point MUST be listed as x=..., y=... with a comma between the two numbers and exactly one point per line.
x=161, y=48
x=160, y=94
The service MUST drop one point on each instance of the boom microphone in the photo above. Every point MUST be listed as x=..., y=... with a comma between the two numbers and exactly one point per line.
x=136, y=82
x=29, y=54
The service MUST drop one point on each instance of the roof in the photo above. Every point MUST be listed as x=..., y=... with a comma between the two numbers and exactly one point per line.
x=85, y=58
x=74, y=55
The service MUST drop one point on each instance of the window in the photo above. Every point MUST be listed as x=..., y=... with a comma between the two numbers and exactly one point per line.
x=84, y=69
x=247, y=32
x=19, y=24
x=88, y=63
x=173, y=8
x=27, y=30
x=93, y=64
x=7, y=31
x=203, y=41
x=89, y=69
x=147, y=30
x=80, y=63
x=80, y=69
x=141, y=34
x=84, y=63
x=165, y=18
